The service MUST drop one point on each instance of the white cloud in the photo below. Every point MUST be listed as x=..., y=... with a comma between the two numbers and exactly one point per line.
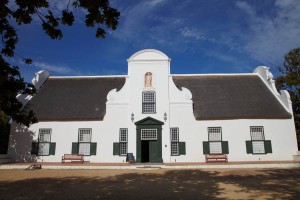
x=192, y=33
x=61, y=69
x=270, y=37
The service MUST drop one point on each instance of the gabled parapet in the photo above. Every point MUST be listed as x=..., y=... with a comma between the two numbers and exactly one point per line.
x=37, y=81
x=179, y=95
x=267, y=77
x=118, y=97
x=40, y=78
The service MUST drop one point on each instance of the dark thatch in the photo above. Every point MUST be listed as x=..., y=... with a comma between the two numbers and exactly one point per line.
x=62, y=99
x=231, y=97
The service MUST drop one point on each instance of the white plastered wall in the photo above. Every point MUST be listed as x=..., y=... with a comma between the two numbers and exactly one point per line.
x=178, y=106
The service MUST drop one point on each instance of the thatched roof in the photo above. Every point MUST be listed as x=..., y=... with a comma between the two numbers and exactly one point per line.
x=64, y=99
x=231, y=97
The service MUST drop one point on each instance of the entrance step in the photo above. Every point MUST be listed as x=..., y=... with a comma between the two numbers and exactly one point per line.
x=297, y=156
x=148, y=166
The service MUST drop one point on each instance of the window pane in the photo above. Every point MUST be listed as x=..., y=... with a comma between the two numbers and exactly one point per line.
x=174, y=134
x=257, y=133
x=123, y=135
x=148, y=97
x=258, y=146
x=44, y=149
x=149, y=134
x=84, y=148
x=85, y=135
x=45, y=135
x=215, y=147
x=215, y=134
x=148, y=107
x=174, y=148
x=123, y=148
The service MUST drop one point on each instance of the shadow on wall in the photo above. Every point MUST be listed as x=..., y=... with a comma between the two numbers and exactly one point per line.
x=20, y=141
x=161, y=184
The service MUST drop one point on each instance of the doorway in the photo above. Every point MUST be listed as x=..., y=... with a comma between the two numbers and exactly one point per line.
x=145, y=151
x=149, y=140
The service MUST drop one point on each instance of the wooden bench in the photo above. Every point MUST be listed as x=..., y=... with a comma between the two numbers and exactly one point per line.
x=72, y=157
x=216, y=157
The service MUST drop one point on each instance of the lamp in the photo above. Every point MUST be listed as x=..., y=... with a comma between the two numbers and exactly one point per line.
x=132, y=117
x=165, y=116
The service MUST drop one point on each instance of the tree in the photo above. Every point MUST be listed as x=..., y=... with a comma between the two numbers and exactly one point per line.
x=290, y=81
x=98, y=13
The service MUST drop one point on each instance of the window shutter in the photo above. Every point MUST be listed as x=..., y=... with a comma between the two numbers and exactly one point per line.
x=225, y=148
x=116, y=150
x=93, y=149
x=34, y=148
x=249, y=148
x=206, y=148
x=52, y=148
x=181, y=148
x=75, y=148
x=268, y=146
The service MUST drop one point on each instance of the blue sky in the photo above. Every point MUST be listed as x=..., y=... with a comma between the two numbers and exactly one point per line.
x=200, y=36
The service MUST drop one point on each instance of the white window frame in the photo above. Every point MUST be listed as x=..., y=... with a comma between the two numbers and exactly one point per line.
x=174, y=141
x=145, y=135
x=215, y=141
x=258, y=139
x=123, y=143
x=44, y=145
x=148, y=102
x=84, y=146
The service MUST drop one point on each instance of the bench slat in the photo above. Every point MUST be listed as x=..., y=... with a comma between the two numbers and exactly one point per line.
x=71, y=157
x=216, y=157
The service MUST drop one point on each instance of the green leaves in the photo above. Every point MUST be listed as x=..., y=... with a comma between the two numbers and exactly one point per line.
x=98, y=13
x=290, y=81
x=67, y=18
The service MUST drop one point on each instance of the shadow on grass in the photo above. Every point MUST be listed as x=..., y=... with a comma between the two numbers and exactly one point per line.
x=173, y=184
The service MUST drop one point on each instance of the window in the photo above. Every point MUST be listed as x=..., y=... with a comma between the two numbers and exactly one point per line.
x=84, y=145
x=120, y=148
x=149, y=105
x=43, y=147
x=215, y=140
x=174, y=141
x=149, y=134
x=215, y=144
x=258, y=144
x=44, y=142
x=85, y=136
x=123, y=141
x=177, y=148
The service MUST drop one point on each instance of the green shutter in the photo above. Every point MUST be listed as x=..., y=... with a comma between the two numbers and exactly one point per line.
x=249, y=147
x=268, y=146
x=206, y=148
x=34, y=148
x=181, y=148
x=93, y=149
x=75, y=147
x=116, y=149
x=225, y=148
x=52, y=148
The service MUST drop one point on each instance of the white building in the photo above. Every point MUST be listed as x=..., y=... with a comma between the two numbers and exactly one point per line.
x=157, y=116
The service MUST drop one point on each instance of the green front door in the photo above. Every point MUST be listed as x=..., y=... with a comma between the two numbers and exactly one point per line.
x=148, y=140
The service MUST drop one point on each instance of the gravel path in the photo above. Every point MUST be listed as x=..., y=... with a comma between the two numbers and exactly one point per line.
x=150, y=184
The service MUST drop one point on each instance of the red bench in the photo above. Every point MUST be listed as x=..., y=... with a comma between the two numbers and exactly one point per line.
x=72, y=157
x=216, y=157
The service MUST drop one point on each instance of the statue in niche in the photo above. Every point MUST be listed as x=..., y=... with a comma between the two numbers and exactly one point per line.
x=148, y=80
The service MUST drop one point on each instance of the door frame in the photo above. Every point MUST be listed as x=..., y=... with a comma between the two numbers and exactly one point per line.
x=149, y=123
